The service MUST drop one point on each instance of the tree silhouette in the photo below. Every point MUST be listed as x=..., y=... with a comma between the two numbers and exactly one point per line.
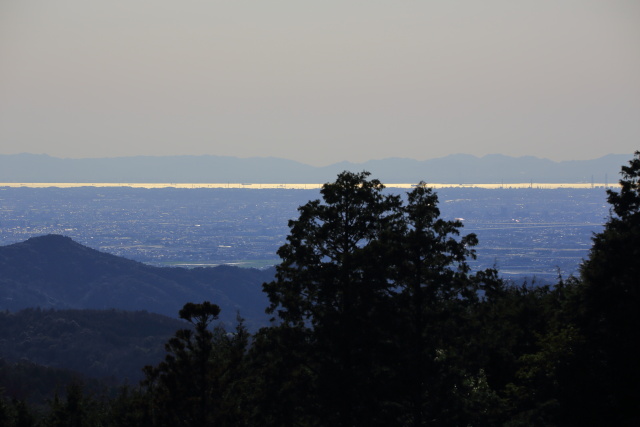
x=328, y=281
x=436, y=294
x=379, y=293
x=611, y=318
x=184, y=388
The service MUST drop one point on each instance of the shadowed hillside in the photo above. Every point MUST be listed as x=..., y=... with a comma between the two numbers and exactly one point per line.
x=108, y=344
x=55, y=272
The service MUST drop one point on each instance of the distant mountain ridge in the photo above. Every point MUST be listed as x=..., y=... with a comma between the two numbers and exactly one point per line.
x=453, y=169
x=54, y=271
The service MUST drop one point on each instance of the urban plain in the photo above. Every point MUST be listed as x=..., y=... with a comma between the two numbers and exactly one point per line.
x=525, y=232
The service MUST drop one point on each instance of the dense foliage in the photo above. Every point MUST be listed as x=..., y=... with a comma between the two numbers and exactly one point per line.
x=108, y=344
x=378, y=320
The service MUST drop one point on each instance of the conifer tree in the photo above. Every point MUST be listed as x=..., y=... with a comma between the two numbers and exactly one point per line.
x=199, y=382
x=611, y=318
x=378, y=292
x=328, y=283
x=436, y=291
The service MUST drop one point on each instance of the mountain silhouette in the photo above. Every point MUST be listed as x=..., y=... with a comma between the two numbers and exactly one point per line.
x=453, y=169
x=54, y=271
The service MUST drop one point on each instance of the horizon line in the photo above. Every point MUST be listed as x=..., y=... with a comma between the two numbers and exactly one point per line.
x=307, y=186
x=316, y=166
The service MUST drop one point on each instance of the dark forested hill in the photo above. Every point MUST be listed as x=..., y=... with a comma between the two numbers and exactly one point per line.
x=38, y=384
x=53, y=271
x=109, y=344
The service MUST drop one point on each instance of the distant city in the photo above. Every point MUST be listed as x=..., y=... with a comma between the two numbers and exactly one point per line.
x=524, y=232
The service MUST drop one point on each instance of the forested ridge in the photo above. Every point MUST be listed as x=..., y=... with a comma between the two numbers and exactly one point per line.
x=378, y=320
x=103, y=344
x=53, y=271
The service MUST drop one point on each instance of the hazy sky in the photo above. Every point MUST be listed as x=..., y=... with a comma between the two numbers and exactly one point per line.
x=320, y=81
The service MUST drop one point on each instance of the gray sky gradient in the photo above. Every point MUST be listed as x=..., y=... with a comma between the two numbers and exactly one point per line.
x=320, y=82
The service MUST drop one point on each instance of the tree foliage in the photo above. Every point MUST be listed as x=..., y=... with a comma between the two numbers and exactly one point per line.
x=380, y=289
x=193, y=385
x=436, y=295
x=610, y=317
x=378, y=319
x=332, y=281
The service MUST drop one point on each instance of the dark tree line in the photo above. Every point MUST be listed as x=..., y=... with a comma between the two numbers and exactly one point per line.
x=379, y=320
x=95, y=343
